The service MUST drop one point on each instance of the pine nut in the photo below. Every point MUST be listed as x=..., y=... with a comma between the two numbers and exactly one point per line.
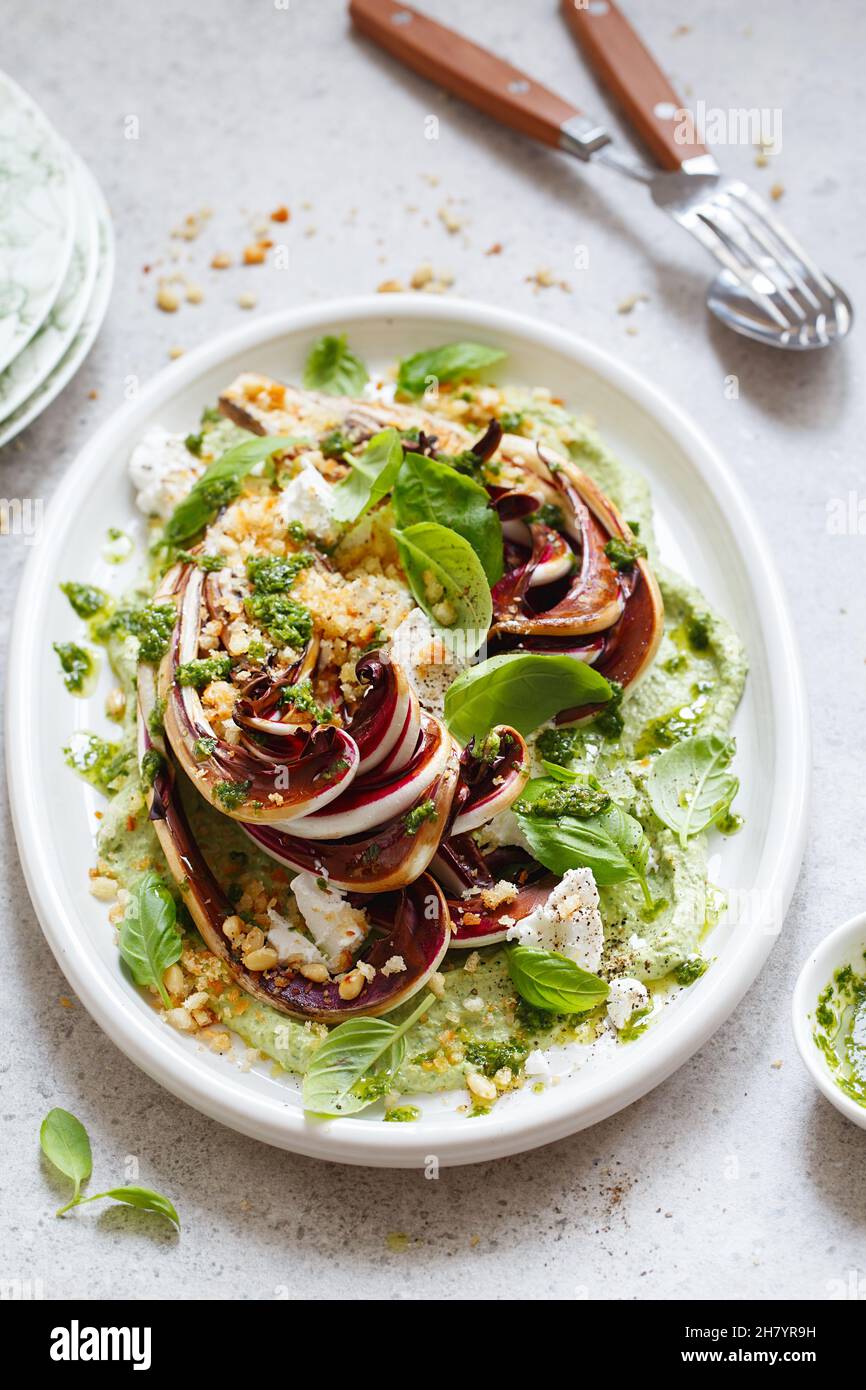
x=313, y=970
x=262, y=959
x=234, y=927
x=480, y=1086
x=173, y=980
x=350, y=987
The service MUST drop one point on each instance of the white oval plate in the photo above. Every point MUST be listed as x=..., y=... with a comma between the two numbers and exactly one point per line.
x=706, y=530
x=36, y=217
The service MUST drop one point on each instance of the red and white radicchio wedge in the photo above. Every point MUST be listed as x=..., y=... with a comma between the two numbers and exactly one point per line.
x=584, y=589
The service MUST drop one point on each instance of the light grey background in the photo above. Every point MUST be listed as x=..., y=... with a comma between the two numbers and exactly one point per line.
x=734, y=1178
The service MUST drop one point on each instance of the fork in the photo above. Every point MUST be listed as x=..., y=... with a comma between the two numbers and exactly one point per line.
x=768, y=287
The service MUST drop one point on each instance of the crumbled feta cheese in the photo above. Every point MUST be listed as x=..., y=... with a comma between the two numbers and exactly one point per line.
x=290, y=944
x=503, y=829
x=333, y=923
x=309, y=499
x=474, y=1004
x=536, y=1064
x=626, y=997
x=568, y=922
x=430, y=665
x=163, y=470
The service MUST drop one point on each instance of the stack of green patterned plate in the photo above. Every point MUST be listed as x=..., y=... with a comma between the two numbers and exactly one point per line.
x=56, y=260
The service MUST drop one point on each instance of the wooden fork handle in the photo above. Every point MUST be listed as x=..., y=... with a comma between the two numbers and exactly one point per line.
x=462, y=67
x=635, y=79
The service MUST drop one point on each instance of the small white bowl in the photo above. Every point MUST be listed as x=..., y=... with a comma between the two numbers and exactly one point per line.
x=844, y=946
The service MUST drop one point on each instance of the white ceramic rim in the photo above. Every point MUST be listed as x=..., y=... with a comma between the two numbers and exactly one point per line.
x=836, y=949
x=354, y=1140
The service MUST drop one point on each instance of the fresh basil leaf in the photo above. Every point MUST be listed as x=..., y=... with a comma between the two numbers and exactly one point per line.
x=218, y=485
x=149, y=939
x=332, y=367
x=141, y=1197
x=427, y=490
x=520, y=689
x=557, y=772
x=611, y=843
x=549, y=980
x=689, y=786
x=447, y=363
x=372, y=477
x=448, y=581
x=350, y=1053
x=64, y=1142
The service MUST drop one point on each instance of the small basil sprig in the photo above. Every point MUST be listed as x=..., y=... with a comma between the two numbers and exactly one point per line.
x=427, y=490
x=218, y=485
x=689, y=786
x=64, y=1142
x=611, y=842
x=549, y=980
x=372, y=477
x=448, y=363
x=149, y=939
x=359, y=1049
x=447, y=581
x=520, y=689
x=332, y=367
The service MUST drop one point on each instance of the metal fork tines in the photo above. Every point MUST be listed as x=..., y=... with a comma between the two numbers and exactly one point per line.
x=752, y=245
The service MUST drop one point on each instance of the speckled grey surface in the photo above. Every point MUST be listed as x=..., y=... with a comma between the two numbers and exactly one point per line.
x=734, y=1178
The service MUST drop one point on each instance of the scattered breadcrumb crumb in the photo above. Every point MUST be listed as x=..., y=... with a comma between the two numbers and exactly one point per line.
x=247, y=300
x=194, y=294
x=626, y=306
x=193, y=225
x=167, y=298
x=175, y=352
x=422, y=276
x=280, y=214
x=431, y=281
x=390, y=287
x=449, y=219
x=777, y=191
x=544, y=279
x=495, y=249
x=221, y=260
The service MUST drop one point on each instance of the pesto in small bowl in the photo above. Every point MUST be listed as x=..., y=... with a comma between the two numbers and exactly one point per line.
x=840, y=1028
